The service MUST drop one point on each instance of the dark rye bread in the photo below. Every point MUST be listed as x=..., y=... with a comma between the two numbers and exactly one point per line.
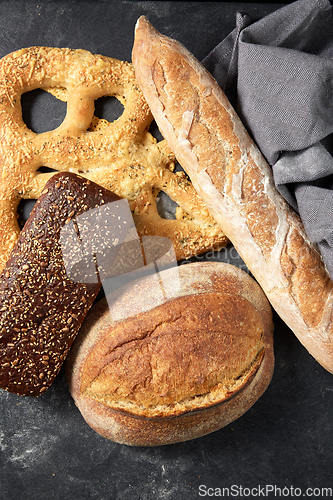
x=41, y=308
x=173, y=356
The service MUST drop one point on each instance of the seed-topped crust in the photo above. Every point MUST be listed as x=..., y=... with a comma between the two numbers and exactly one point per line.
x=41, y=308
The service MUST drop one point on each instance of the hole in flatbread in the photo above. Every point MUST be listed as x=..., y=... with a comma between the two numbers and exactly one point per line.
x=46, y=170
x=155, y=132
x=41, y=111
x=108, y=108
x=23, y=211
x=166, y=207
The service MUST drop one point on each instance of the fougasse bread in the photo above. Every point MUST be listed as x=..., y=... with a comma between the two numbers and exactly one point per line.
x=236, y=183
x=41, y=306
x=120, y=155
x=174, y=355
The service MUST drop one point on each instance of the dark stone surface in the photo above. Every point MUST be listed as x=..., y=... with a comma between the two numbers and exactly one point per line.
x=47, y=451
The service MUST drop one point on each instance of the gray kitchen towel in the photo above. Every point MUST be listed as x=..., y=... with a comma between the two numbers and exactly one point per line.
x=278, y=74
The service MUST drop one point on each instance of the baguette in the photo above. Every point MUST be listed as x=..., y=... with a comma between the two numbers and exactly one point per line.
x=41, y=307
x=236, y=184
x=173, y=356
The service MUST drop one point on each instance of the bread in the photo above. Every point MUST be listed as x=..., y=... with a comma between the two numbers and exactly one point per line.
x=173, y=356
x=236, y=183
x=41, y=307
x=120, y=155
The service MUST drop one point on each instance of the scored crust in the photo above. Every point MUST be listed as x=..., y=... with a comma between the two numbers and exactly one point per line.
x=163, y=371
x=122, y=156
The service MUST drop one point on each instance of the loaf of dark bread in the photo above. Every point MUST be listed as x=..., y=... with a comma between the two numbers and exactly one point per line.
x=41, y=307
x=173, y=356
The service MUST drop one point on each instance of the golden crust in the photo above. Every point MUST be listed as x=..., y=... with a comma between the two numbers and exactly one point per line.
x=121, y=156
x=182, y=368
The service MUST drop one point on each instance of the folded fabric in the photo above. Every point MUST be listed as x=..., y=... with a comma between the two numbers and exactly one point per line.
x=278, y=74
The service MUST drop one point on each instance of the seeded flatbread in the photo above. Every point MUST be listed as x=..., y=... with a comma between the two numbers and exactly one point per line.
x=122, y=156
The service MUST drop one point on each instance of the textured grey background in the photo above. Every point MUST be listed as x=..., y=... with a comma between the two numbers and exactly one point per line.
x=46, y=449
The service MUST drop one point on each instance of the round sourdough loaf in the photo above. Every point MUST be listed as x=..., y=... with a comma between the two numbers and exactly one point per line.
x=174, y=355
